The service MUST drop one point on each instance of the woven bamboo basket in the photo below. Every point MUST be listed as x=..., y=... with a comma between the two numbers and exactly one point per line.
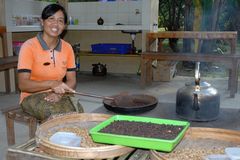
x=83, y=121
x=199, y=142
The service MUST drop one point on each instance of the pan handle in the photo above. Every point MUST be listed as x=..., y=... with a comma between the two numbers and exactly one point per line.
x=92, y=95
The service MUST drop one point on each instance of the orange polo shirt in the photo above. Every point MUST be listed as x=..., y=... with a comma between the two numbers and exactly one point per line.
x=43, y=63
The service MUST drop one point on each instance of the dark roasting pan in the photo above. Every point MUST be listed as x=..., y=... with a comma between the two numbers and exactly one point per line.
x=132, y=103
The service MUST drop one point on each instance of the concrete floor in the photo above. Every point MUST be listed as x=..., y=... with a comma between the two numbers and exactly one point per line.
x=115, y=84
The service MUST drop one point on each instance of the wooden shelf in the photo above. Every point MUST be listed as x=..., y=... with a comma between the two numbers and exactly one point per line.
x=29, y=28
x=193, y=35
x=116, y=63
x=108, y=55
x=23, y=28
x=104, y=27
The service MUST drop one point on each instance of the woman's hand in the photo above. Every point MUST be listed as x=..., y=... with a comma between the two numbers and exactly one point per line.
x=53, y=97
x=62, y=88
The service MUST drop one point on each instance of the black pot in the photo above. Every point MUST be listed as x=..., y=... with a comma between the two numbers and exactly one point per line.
x=99, y=69
x=198, y=103
x=100, y=21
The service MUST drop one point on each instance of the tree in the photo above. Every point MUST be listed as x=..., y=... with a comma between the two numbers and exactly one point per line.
x=198, y=15
x=211, y=14
x=229, y=19
x=171, y=18
x=188, y=23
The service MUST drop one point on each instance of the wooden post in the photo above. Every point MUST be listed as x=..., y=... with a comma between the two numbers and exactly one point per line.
x=10, y=129
x=32, y=127
x=3, y=34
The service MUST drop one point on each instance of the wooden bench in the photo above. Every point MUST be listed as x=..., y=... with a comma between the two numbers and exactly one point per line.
x=231, y=37
x=231, y=60
x=7, y=62
x=16, y=114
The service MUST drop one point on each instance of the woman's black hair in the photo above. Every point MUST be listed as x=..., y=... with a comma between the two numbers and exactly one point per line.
x=51, y=9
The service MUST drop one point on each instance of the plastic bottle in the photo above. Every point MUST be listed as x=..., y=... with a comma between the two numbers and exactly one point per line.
x=71, y=22
x=155, y=30
x=155, y=27
x=77, y=63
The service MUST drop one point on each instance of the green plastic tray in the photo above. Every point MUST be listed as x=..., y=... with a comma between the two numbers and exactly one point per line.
x=138, y=142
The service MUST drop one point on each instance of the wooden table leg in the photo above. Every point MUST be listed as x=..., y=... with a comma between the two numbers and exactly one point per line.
x=149, y=72
x=146, y=72
x=143, y=73
x=7, y=81
x=233, y=79
x=32, y=127
x=235, y=66
x=236, y=89
x=10, y=130
x=229, y=78
x=16, y=80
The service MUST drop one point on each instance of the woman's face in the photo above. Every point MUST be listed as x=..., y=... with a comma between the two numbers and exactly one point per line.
x=54, y=25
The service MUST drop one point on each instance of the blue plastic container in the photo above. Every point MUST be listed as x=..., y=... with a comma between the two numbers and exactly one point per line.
x=111, y=48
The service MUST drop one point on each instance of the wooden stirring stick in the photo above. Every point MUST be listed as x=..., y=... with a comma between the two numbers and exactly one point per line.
x=92, y=95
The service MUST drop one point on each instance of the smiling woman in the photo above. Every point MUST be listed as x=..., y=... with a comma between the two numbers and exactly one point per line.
x=44, y=61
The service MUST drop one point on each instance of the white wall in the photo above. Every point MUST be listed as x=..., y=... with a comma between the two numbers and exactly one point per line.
x=132, y=13
x=128, y=13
